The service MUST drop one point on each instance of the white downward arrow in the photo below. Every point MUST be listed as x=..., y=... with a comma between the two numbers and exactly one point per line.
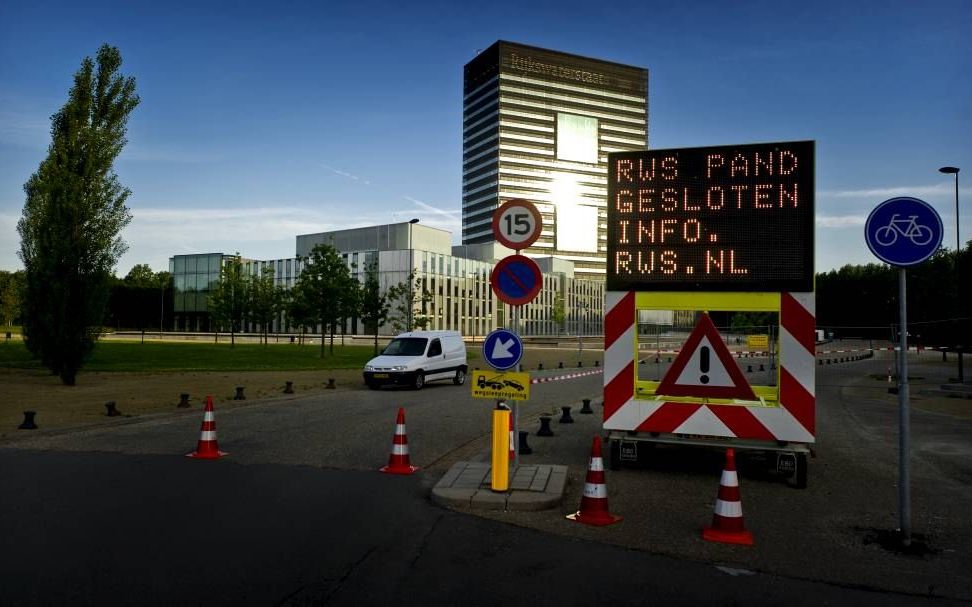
x=501, y=350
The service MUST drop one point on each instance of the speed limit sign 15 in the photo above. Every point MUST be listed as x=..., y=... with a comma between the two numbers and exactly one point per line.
x=517, y=224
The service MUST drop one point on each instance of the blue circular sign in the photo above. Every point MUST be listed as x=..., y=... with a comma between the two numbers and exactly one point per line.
x=516, y=280
x=502, y=349
x=903, y=231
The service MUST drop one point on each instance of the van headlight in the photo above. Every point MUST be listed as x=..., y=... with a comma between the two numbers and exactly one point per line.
x=369, y=368
x=398, y=368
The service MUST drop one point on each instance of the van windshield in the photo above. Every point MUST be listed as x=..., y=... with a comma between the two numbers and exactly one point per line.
x=406, y=346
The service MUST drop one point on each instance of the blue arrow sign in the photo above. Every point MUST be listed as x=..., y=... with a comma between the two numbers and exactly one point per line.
x=903, y=231
x=502, y=349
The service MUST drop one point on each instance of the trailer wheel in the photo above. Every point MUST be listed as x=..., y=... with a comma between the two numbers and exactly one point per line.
x=615, y=454
x=800, y=475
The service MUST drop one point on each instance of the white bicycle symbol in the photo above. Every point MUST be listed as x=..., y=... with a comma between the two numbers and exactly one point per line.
x=909, y=228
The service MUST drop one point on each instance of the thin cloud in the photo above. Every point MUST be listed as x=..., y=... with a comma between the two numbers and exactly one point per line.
x=344, y=174
x=884, y=193
x=840, y=221
x=432, y=209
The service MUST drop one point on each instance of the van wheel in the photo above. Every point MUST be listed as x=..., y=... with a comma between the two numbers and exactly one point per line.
x=419, y=380
x=460, y=377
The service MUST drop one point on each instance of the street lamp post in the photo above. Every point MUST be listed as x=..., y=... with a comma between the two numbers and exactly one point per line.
x=954, y=171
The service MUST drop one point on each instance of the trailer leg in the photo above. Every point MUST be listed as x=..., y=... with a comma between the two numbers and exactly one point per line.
x=614, y=452
x=801, y=471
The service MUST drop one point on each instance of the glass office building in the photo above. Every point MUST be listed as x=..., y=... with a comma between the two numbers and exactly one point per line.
x=538, y=124
x=456, y=279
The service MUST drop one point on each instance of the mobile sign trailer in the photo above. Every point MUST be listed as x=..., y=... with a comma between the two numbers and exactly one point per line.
x=726, y=228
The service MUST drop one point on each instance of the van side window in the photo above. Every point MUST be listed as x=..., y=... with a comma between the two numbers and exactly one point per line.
x=435, y=349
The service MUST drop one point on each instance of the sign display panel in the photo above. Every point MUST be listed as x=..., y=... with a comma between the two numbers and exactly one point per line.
x=724, y=218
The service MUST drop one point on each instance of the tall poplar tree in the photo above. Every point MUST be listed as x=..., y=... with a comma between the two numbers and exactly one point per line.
x=73, y=216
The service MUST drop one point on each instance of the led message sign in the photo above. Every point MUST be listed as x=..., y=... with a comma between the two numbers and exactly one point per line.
x=726, y=218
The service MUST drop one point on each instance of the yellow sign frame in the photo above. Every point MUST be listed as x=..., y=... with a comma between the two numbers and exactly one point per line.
x=487, y=383
x=708, y=301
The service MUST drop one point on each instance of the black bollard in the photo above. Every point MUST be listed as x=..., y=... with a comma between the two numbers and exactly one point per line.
x=545, y=426
x=330, y=383
x=749, y=368
x=183, y=400
x=580, y=364
x=28, y=421
x=539, y=366
x=597, y=363
x=566, y=418
x=289, y=389
x=669, y=359
x=587, y=406
x=761, y=367
x=524, y=447
x=560, y=365
x=112, y=411
x=239, y=393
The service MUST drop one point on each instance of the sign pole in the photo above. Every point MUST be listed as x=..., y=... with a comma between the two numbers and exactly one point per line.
x=904, y=421
x=513, y=405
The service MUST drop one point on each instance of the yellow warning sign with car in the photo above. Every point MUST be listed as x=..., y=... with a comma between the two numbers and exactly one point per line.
x=500, y=384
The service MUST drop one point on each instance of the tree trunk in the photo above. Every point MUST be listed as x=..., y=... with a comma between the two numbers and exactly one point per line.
x=376, y=342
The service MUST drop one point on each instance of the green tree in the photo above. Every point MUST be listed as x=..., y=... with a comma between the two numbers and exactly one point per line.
x=266, y=300
x=141, y=275
x=559, y=313
x=300, y=311
x=350, y=302
x=73, y=215
x=11, y=285
x=410, y=300
x=374, y=303
x=229, y=301
x=324, y=283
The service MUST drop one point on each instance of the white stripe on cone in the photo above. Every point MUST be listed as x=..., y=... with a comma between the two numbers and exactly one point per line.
x=597, y=491
x=400, y=429
x=207, y=435
x=399, y=449
x=728, y=509
x=209, y=416
x=596, y=465
x=730, y=478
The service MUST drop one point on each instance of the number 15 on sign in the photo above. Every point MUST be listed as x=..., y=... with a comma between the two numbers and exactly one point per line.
x=517, y=224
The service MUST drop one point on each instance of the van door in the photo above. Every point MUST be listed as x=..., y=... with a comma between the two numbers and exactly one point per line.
x=436, y=360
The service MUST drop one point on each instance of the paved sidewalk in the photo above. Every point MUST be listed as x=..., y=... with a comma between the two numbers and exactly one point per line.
x=532, y=487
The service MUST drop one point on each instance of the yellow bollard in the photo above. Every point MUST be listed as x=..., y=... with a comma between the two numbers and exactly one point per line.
x=500, y=472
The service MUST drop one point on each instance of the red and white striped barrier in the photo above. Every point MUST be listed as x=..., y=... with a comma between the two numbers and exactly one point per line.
x=793, y=420
x=543, y=380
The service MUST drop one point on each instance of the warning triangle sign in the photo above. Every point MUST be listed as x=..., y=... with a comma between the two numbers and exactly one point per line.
x=705, y=368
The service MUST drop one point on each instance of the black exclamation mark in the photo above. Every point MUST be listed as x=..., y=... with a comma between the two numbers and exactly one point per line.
x=704, y=364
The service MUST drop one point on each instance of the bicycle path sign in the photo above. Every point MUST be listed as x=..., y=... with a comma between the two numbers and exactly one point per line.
x=903, y=231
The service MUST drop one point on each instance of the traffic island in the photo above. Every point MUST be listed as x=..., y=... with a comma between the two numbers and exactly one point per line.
x=467, y=485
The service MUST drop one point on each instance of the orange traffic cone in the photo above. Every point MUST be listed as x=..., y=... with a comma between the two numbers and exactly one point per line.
x=727, y=521
x=207, y=447
x=594, y=503
x=398, y=460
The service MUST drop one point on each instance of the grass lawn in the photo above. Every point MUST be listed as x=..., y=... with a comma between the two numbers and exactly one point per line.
x=117, y=356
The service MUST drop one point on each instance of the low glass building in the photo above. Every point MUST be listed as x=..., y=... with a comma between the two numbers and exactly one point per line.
x=456, y=279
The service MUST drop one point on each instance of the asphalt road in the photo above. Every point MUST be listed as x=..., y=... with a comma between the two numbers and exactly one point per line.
x=297, y=514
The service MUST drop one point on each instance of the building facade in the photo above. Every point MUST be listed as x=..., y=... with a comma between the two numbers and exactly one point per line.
x=456, y=280
x=538, y=125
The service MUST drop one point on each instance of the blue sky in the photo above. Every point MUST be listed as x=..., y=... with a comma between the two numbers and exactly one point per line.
x=261, y=121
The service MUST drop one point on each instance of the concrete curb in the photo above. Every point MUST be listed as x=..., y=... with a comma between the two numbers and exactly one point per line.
x=532, y=487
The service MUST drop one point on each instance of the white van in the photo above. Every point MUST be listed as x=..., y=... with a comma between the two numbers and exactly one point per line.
x=411, y=359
